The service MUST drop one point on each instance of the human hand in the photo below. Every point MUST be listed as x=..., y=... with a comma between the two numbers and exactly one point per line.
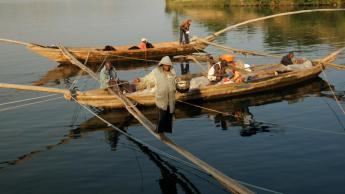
x=137, y=80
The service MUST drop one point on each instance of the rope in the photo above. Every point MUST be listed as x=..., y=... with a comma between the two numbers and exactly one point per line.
x=160, y=152
x=137, y=140
x=314, y=129
x=28, y=99
x=223, y=113
x=235, y=50
x=197, y=62
x=335, y=114
x=209, y=109
x=23, y=105
x=132, y=58
x=292, y=126
x=333, y=93
x=80, y=73
x=229, y=183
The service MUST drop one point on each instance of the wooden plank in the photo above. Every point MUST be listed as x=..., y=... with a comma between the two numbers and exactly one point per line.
x=229, y=183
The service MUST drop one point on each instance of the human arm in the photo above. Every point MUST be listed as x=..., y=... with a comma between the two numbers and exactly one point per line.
x=146, y=81
x=104, y=79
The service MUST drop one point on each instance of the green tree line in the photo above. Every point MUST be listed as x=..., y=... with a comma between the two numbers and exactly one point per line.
x=227, y=3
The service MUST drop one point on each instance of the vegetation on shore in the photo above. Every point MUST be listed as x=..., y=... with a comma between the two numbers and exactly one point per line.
x=228, y=3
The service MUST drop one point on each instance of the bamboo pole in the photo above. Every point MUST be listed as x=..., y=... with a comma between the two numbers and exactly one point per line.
x=229, y=183
x=34, y=88
x=336, y=66
x=15, y=42
x=241, y=51
x=212, y=36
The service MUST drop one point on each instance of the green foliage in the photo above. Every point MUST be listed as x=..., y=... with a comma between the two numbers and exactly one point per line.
x=260, y=2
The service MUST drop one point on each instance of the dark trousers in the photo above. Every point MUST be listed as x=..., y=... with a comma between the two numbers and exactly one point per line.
x=164, y=123
x=184, y=35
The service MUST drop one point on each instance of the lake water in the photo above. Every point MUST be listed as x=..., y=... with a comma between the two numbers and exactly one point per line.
x=294, y=145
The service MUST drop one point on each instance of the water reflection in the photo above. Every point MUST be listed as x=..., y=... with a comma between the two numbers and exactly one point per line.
x=238, y=115
x=236, y=112
x=301, y=29
x=63, y=72
x=184, y=68
x=170, y=176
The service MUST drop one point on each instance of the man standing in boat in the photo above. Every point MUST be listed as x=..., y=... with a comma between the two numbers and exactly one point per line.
x=163, y=77
x=184, y=31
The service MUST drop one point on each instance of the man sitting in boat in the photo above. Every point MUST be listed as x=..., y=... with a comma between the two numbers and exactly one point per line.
x=144, y=44
x=217, y=71
x=108, y=76
x=288, y=59
x=292, y=63
x=109, y=79
x=163, y=77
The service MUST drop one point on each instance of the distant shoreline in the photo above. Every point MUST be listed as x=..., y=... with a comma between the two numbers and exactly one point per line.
x=245, y=3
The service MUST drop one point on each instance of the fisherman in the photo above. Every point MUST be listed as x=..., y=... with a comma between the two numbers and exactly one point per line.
x=142, y=44
x=108, y=76
x=163, y=77
x=291, y=63
x=184, y=31
x=288, y=59
x=217, y=71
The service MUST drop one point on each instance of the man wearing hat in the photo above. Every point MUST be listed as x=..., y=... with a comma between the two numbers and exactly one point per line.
x=163, y=77
x=142, y=44
x=217, y=71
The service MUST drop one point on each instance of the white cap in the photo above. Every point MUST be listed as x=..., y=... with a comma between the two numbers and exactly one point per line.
x=143, y=40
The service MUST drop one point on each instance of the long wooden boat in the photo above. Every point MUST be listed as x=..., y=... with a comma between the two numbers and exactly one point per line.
x=96, y=55
x=103, y=99
x=120, y=117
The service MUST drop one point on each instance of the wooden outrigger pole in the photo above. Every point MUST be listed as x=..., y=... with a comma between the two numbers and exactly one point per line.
x=226, y=181
x=265, y=18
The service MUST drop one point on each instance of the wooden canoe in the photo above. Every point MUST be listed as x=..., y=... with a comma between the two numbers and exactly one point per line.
x=96, y=55
x=122, y=118
x=102, y=99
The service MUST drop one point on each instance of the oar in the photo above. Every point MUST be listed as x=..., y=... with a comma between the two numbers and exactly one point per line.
x=229, y=183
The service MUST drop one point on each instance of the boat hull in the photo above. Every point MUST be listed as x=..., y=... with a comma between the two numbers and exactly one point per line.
x=97, y=55
x=102, y=99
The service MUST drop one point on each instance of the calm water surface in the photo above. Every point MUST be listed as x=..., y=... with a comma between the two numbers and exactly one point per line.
x=295, y=145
